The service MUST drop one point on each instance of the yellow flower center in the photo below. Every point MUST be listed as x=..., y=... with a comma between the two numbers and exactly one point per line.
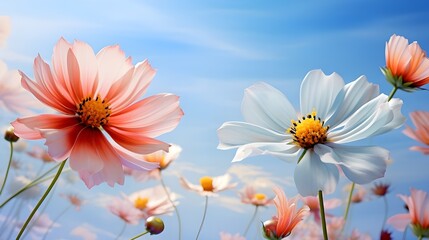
x=141, y=203
x=93, y=112
x=259, y=196
x=157, y=158
x=308, y=131
x=207, y=183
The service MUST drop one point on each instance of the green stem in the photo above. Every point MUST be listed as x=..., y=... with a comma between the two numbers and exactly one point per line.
x=29, y=185
x=122, y=231
x=204, y=217
x=41, y=199
x=385, y=212
x=302, y=155
x=174, y=206
x=322, y=215
x=349, y=201
x=56, y=220
x=251, y=221
x=392, y=93
x=420, y=237
x=141, y=234
x=8, y=167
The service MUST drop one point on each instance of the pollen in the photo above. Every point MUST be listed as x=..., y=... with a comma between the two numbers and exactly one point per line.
x=141, y=203
x=207, y=183
x=259, y=196
x=93, y=112
x=157, y=158
x=308, y=131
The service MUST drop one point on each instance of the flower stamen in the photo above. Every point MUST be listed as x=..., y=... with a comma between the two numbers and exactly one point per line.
x=308, y=131
x=207, y=183
x=93, y=112
x=141, y=203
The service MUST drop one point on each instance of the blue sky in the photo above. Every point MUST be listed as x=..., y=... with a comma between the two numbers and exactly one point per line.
x=208, y=52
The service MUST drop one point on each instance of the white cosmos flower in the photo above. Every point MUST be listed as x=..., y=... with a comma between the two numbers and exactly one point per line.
x=332, y=114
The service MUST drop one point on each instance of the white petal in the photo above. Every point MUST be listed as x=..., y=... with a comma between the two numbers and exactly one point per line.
x=319, y=91
x=312, y=175
x=395, y=105
x=360, y=164
x=267, y=107
x=367, y=121
x=353, y=96
x=235, y=134
x=283, y=151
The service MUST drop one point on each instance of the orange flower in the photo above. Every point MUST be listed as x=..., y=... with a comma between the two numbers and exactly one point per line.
x=407, y=66
x=287, y=217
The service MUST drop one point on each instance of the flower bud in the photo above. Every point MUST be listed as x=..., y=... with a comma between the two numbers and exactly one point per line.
x=154, y=225
x=10, y=135
x=269, y=229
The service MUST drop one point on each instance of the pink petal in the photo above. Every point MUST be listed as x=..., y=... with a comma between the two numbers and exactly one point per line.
x=112, y=65
x=74, y=77
x=61, y=142
x=132, y=160
x=186, y=184
x=151, y=116
x=134, y=88
x=29, y=127
x=399, y=221
x=135, y=141
x=424, y=150
x=84, y=156
x=88, y=67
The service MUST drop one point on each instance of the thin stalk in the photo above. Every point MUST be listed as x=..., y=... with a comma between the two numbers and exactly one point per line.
x=392, y=93
x=31, y=184
x=251, y=221
x=385, y=212
x=8, y=167
x=302, y=155
x=60, y=169
x=141, y=234
x=122, y=230
x=174, y=206
x=349, y=201
x=56, y=220
x=204, y=217
x=322, y=215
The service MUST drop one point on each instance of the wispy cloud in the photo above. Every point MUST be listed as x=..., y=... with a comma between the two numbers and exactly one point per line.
x=257, y=177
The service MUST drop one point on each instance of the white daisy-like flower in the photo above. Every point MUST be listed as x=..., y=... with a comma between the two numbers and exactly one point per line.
x=332, y=114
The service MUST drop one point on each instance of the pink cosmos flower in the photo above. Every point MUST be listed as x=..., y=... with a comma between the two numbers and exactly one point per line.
x=74, y=200
x=40, y=153
x=418, y=215
x=313, y=204
x=125, y=210
x=250, y=196
x=164, y=159
x=407, y=66
x=209, y=186
x=421, y=121
x=95, y=95
x=4, y=29
x=228, y=236
x=288, y=216
x=152, y=201
x=13, y=98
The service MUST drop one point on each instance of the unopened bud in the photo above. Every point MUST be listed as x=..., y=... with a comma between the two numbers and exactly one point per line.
x=154, y=225
x=10, y=136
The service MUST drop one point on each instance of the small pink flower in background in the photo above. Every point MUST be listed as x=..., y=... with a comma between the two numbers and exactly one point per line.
x=125, y=210
x=209, y=186
x=74, y=200
x=417, y=216
x=152, y=201
x=288, y=216
x=407, y=66
x=359, y=193
x=250, y=196
x=421, y=133
x=356, y=235
x=41, y=224
x=380, y=189
x=228, y=236
x=40, y=153
x=164, y=159
x=4, y=29
x=95, y=95
x=84, y=233
x=313, y=204
x=13, y=97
